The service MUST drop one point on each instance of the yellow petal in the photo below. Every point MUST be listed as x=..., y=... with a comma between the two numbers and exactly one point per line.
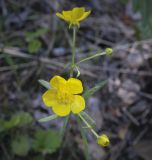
x=49, y=98
x=61, y=109
x=67, y=15
x=60, y=15
x=57, y=82
x=77, y=12
x=78, y=105
x=85, y=15
x=75, y=86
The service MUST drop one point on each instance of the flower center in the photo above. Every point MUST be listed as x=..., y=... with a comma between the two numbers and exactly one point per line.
x=64, y=97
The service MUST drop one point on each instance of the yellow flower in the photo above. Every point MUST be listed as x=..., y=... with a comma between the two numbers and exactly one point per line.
x=74, y=16
x=62, y=96
x=103, y=140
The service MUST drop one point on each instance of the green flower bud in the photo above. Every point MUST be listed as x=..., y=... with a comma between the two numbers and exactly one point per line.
x=109, y=51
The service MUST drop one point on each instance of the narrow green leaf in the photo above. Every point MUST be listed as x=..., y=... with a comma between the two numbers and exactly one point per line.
x=44, y=83
x=78, y=71
x=86, y=148
x=49, y=118
x=89, y=119
x=93, y=90
x=66, y=120
x=85, y=127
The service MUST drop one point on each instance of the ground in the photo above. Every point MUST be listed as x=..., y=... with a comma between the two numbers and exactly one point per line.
x=34, y=44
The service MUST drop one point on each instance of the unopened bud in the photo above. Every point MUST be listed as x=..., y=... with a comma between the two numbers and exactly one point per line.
x=103, y=140
x=109, y=51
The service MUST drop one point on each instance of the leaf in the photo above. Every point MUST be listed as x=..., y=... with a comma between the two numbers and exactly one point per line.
x=20, y=145
x=66, y=120
x=17, y=120
x=49, y=118
x=9, y=59
x=44, y=83
x=83, y=134
x=93, y=90
x=46, y=141
x=30, y=36
x=88, y=118
x=145, y=24
x=34, y=46
x=78, y=71
x=21, y=119
x=41, y=32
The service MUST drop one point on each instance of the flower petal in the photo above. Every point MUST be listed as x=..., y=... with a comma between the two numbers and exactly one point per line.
x=67, y=15
x=49, y=98
x=60, y=15
x=75, y=86
x=61, y=109
x=57, y=82
x=77, y=12
x=85, y=15
x=78, y=105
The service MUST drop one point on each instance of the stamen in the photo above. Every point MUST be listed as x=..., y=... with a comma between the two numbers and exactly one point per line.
x=64, y=97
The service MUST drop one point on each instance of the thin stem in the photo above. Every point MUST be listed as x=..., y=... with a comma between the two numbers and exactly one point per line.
x=88, y=125
x=91, y=57
x=73, y=52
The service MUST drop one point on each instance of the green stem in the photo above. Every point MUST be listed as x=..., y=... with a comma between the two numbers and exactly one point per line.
x=73, y=52
x=88, y=125
x=91, y=57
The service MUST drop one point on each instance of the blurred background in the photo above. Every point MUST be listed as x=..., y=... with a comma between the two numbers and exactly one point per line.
x=35, y=44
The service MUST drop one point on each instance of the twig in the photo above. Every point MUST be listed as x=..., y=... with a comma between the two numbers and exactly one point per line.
x=131, y=117
x=141, y=134
x=124, y=71
x=18, y=66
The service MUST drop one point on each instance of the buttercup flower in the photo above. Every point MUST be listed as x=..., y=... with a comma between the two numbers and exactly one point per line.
x=74, y=16
x=103, y=140
x=62, y=96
